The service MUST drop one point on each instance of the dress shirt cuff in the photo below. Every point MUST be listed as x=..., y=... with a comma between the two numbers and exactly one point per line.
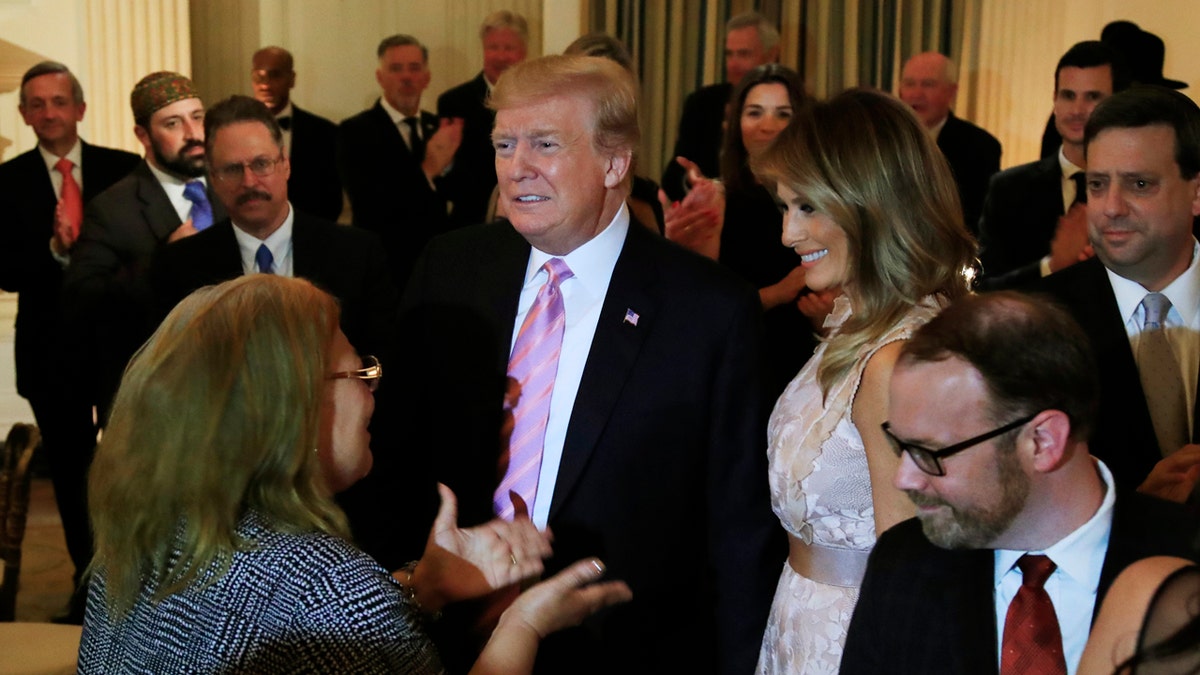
x=1044, y=266
x=62, y=260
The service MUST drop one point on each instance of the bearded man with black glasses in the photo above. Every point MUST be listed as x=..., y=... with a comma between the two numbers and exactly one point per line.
x=1019, y=530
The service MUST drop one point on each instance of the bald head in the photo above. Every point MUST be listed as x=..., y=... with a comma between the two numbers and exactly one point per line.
x=928, y=85
x=273, y=77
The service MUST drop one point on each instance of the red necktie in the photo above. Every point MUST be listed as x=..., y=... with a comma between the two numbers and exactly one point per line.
x=72, y=199
x=1032, y=639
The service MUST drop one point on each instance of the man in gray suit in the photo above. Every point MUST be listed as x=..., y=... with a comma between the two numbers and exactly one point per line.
x=165, y=198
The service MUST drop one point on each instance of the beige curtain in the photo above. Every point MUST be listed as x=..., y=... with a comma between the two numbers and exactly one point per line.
x=127, y=40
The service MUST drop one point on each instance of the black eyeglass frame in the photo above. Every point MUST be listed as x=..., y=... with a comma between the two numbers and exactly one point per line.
x=371, y=373
x=930, y=461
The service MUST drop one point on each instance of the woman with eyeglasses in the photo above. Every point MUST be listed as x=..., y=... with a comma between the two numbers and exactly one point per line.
x=218, y=545
x=870, y=208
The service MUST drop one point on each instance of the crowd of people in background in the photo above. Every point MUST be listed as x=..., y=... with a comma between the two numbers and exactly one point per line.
x=835, y=393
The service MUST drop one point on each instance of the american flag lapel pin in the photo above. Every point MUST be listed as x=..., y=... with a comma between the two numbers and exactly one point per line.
x=631, y=317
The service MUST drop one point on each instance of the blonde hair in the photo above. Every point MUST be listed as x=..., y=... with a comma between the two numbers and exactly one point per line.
x=863, y=159
x=609, y=88
x=504, y=18
x=217, y=414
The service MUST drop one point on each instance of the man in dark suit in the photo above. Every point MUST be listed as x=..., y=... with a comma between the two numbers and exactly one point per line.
x=1019, y=530
x=165, y=198
x=472, y=177
x=392, y=157
x=928, y=84
x=1143, y=153
x=750, y=41
x=265, y=234
x=650, y=441
x=1034, y=221
x=43, y=212
x=309, y=141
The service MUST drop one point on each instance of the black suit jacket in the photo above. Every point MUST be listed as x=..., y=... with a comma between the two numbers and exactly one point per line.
x=974, y=157
x=314, y=186
x=1124, y=434
x=1020, y=216
x=924, y=609
x=27, y=199
x=107, y=282
x=389, y=193
x=472, y=177
x=349, y=264
x=700, y=136
x=663, y=456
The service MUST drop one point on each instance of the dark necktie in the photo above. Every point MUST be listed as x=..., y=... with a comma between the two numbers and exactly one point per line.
x=285, y=123
x=264, y=260
x=1080, y=187
x=415, y=143
x=1032, y=642
x=201, y=213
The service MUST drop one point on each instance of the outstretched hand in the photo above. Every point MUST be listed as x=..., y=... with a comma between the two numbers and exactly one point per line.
x=460, y=564
x=566, y=599
x=1174, y=477
x=696, y=222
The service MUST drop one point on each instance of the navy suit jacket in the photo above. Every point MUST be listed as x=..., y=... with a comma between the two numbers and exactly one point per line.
x=389, y=193
x=664, y=453
x=472, y=176
x=26, y=267
x=1020, y=216
x=924, y=609
x=314, y=186
x=1124, y=434
x=700, y=136
x=974, y=157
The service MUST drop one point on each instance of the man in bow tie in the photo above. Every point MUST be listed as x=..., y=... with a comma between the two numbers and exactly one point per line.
x=309, y=141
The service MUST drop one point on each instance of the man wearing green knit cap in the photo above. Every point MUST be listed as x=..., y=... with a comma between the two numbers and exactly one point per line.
x=165, y=198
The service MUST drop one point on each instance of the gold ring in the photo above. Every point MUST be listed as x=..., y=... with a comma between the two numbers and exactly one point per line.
x=513, y=558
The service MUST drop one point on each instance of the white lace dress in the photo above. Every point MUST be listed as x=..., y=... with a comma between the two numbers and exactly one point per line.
x=821, y=491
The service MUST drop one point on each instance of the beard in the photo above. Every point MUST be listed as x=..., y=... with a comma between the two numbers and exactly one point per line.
x=973, y=527
x=181, y=165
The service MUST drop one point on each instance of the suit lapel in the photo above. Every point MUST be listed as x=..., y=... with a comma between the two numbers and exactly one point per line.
x=610, y=362
x=305, y=260
x=501, y=279
x=156, y=208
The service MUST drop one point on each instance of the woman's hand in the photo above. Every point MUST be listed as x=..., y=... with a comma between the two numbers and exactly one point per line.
x=565, y=599
x=460, y=564
x=696, y=222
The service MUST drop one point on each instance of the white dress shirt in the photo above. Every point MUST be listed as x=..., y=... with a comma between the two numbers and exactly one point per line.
x=583, y=296
x=1182, y=325
x=278, y=242
x=174, y=189
x=1073, y=585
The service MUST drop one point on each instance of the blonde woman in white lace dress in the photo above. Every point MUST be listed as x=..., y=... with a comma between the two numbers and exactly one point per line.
x=871, y=207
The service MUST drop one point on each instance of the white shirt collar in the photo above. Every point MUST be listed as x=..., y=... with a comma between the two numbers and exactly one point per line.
x=75, y=154
x=396, y=115
x=937, y=128
x=591, y=263
x=287, y=110
x=1080, y=554
x=278, y=242
x=1183, y=292
x=1068, y=167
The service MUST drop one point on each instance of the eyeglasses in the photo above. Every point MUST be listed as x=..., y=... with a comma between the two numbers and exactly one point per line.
x=371, y=373
x=930, y=461
x=261, y=167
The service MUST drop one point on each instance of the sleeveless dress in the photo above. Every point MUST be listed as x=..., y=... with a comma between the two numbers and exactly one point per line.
x=1174, y=610
x=821, y=492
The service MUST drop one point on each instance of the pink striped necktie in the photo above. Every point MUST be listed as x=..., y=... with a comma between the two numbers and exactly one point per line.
x=534, y=364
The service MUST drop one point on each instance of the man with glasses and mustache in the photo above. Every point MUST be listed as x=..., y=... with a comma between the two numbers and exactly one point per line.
x=164, y=198
x=264, y=234
x=1019, y=530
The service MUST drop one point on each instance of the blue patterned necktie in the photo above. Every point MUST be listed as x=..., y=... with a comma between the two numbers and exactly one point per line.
x=264, y=260
x=201, y=213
